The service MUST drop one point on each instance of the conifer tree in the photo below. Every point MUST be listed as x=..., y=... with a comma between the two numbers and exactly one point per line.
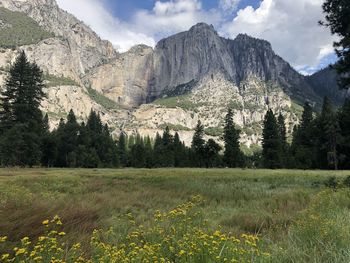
x=211, y=153
x=233, y=156
x=329, y=132
x=304, y=141
x=283, y=136
x=198, y=145
x=167, y=148
x=122, y=151
x=20, y=101
x=344, y=140
x=337, y=19
x=271, y=143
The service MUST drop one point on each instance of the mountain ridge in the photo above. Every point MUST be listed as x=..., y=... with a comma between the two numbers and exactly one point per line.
x=195, y=74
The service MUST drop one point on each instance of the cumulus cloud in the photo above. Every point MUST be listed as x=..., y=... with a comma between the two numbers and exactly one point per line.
x=290, y=26
x=94, y=14
x=228, y=5
x=172, y=17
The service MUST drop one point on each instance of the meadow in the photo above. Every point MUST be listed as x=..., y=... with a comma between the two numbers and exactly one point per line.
x=288, y=215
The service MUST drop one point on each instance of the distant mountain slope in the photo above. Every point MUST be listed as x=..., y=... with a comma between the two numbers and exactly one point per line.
x=324, y=83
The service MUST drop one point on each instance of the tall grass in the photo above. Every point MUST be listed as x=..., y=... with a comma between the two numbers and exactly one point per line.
x=263, y=202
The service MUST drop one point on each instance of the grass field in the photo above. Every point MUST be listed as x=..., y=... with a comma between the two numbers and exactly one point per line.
x=295, y=216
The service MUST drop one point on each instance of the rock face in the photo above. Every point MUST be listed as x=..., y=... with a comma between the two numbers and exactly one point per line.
x=85, y=49
x=194, y=75
x=192, y=55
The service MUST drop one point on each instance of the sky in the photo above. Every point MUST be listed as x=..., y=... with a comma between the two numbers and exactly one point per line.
x=291, y=26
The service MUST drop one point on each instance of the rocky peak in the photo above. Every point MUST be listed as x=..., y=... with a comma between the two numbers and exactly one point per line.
x=244, y=39
x=202, y=27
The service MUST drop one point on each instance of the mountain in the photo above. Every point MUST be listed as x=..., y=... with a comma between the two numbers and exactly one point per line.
x=188, y=76
x=324, y=83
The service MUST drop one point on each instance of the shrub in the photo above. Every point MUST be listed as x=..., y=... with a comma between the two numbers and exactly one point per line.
x=331, y=182
x=346, y=181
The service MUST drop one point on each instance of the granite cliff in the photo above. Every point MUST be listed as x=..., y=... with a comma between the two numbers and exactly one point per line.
x=188, y=76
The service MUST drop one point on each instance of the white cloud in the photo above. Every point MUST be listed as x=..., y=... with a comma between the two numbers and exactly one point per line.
x=93, y=13
x=228, y=5
x=173, y=16
x=291, y=27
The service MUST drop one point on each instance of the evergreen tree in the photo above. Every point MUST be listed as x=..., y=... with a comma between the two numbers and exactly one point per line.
x=283, y=136
x=20, y=101
x=271, y=143
x=233, y=156
x=198, y=144
x=328, y=137
x=158, y=151
x=122, y=150
x=338, y=20
x=167, y=148
x=67, y=141
x=180, y=153
x=148, y=153
x=211, y=153
x=344, y=140
x=304, y=141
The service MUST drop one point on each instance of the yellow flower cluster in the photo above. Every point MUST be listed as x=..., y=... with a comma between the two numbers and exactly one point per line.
x=180, y=235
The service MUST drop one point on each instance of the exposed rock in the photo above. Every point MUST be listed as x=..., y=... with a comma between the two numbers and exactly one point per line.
x=125, y=79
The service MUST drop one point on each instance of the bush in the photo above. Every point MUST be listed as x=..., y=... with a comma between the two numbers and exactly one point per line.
x=346, y=181
x=331, y=182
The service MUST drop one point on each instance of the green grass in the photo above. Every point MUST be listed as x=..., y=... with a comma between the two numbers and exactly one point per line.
x=54, y=81
x=268, y=202
x=101, y=99
x=18, y=29
x=182, y=101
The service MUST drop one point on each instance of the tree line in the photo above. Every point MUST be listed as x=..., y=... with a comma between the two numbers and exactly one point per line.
x=321, y=141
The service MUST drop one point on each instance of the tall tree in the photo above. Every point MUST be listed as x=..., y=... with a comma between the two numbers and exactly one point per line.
x=344, y=140
x=271, y=143
x=338, y=20
x=328, y=138
x=167, y=148
x=304, y=141
x=198, y=144
x=211, y=153
x=20, y=101
x=122, y=150
x=233, y=156
x=283, y=137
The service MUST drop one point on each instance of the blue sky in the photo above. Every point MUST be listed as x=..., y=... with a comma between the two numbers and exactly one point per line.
x=291, y=26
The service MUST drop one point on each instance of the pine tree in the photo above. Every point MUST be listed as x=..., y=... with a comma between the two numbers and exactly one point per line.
x=211, y=153
x=198, y=144
x=328, y=137
x=158, y=151
x=20, y=103
x=122, y=151
x=67, y=141
x=233, y=156
x=283, y=136
x=271, y=143
x=337, y=19
x=180, y=154
x=304, y=141
x=167, y=148
x=344, y=140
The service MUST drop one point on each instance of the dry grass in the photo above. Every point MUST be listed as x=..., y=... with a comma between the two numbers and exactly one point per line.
x=236, y=200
